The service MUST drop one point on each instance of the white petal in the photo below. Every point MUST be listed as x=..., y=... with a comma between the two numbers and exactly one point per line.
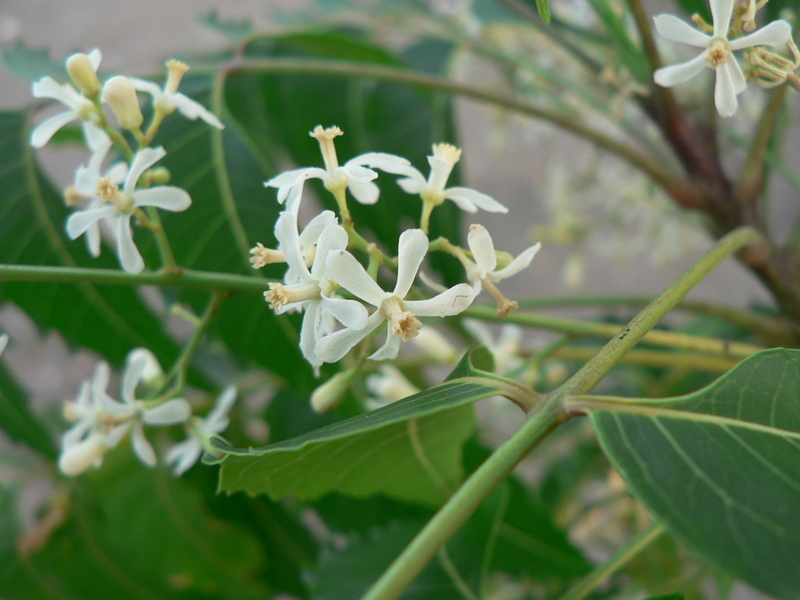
x=95, y=57
x=115, y=436
x=148, y=87
x=79, y=222
x=440, y=173
x=47, y=87
x=677, y=30
x=93, y=241
x=349, y=313
x=143, y=160
x=167, y=197
x=345, y=270
x=364, y=192
x=77, y=458
x=316, y=226
x=482, y=247
x=184, y=455
x=285, y=178
x=737, y=76
x=721, y=14
x=96, y=139
x=289, y=239
x=724, y=93
x=677, y=74
x=390, y=163
x=411, y=251
x=217, y=420
x=357, y=173
x=775, y=34
x=448, y=303
x=518, y=264
x=133, y=375
x=333, y=347
x=117, y=172
x=332, y=238
x=411, y=186
x=310, y=333
x=142, y=447
x=128, y=254
x=46, y=129
x=390, y=348
x=171, y=412
x=463, y=196
x=191, y=109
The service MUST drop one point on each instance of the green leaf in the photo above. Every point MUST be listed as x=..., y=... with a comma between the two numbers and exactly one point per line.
x=721, y=467
x=17, y=420
x=410, y=450
x=544, y=10
x=107, y=319
x=31, y=64
x=235, y=31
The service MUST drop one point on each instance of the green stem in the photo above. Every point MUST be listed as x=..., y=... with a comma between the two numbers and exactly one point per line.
x=461, y=505
x=186, y=278
x=617, y=560
x=168, y=263
x=539, y=424
x=181, y=365
x=670, y=339
x=634, y=156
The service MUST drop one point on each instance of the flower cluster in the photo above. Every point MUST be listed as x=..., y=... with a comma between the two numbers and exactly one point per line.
x=100, y=422
x=107, y=199
x=717, y=50
x=342, y=300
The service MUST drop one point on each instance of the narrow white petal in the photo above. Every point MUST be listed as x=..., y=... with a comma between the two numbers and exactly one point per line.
x=133, y=375
x=142, y=447
x=737, y=76
x=191, y=109
x=411, y=251
x=96, y=139
x=79, y=222
x=721, y=13
x=364, y=192
x=334, y=346
x=677, y=74
x=117, y=172
x=47, y=87
x=775, y=34
x=357, y=173
x=440, y=173
x=217, y=420
x=95, y=56
x=482, y=247
x=677, y=30
x=115, y=436
x=46, y=129
x=345, y=270
x=332, y=238
x=411, y=186
x=518, y=264
x=148, y=87
x=461, y=195
x=128, y=253
x=171, y=412
x=310, y=333
x=289, y=240
x=390, y=348
x=167, y=197
x=390, y=163
x=448, y=303
x=350, y=313
x=183, y=455
x=724, y=93
x=93, y=240
x=143, y=160
x=316, y=226
x=284, y=178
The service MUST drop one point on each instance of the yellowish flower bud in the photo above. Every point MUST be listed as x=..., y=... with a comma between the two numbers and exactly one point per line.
x=503, y=259
x=120, y=95
x=83, y=75
x=78, y=458
x=330, y=394
x=156, y=176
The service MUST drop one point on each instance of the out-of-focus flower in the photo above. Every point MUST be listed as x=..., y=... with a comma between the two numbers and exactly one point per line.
x=717, y=52
x=169, y=99
x=185, y=454
x=400, y=314
x=118, y=205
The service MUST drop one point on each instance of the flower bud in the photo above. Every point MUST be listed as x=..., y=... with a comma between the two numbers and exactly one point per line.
x=436, y=346
x=83, y=75
x=120, y=95
x=330, y=394
x=157, y=176
x=79, y=457
x=503, y=259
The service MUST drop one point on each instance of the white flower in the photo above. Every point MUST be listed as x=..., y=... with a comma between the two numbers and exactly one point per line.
x=353, y=175
x=184, y=454
x=388, y=385
x=432, y=190
x=101, y=422
x=400, y=314
x=308, y=289
x=88, y=177
x=3, y=342
x=717, y=52
x=119, y=205
x=169, y=99
x=485, y=266
x=79, y=107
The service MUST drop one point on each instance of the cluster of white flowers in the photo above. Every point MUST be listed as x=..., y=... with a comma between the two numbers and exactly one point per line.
x=718, y=49
x=101, y=422
x=111, y=197
x=321, y=267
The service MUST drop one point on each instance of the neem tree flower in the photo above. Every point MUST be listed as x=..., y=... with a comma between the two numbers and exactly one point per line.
x=717, y=52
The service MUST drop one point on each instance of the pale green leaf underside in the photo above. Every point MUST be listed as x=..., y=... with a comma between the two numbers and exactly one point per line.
x=410, y=450
x=721, y=467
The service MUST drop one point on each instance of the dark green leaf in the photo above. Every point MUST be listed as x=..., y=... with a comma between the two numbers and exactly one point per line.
x=410, y=450
x=108, y=319
x=721, y=467
x=31, y=64
x=17, y=420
